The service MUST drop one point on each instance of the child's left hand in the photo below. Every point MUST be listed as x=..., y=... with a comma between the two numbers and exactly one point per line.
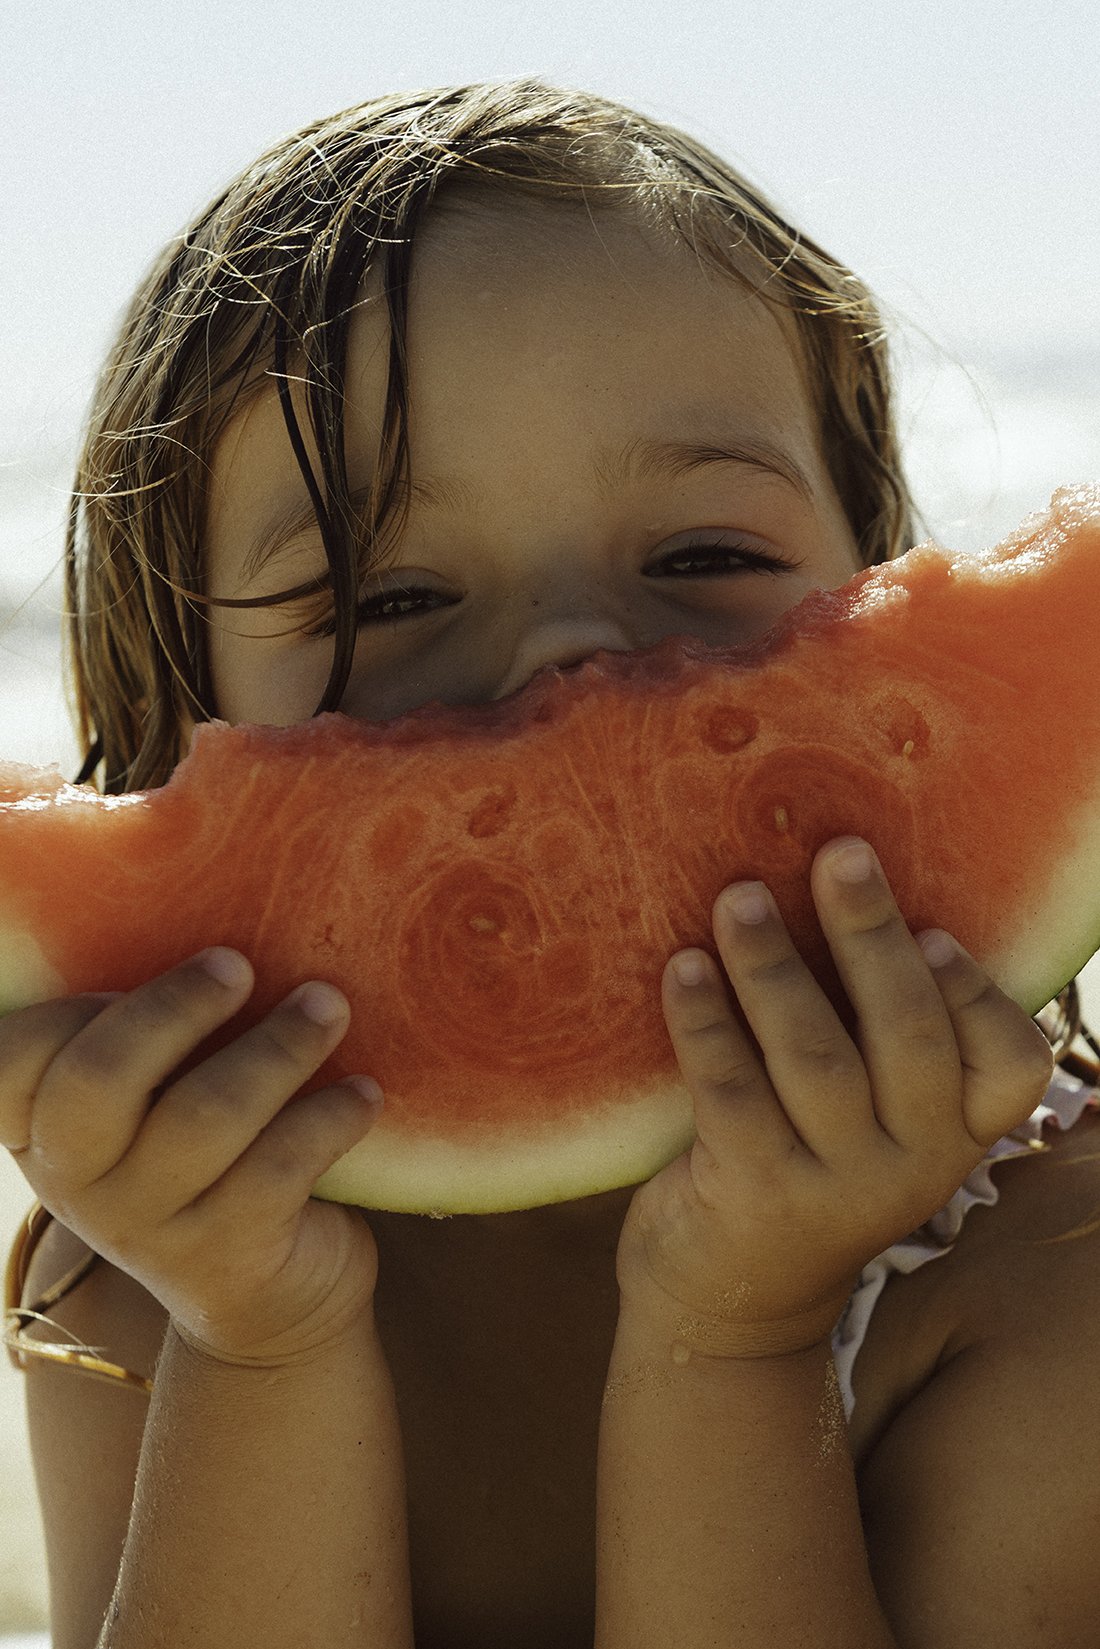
x=814, y=1153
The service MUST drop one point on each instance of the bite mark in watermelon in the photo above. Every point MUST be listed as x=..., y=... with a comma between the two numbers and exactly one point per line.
x=498, y=888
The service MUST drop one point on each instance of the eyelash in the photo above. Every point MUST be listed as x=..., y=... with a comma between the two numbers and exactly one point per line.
x=369, y=610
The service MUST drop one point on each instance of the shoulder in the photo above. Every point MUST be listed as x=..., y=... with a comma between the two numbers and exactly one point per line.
x=1033, y=1258
x=981, y=1492
x=86, y=1432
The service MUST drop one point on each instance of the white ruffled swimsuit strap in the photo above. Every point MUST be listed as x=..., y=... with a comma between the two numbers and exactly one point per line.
x=1064, y=1102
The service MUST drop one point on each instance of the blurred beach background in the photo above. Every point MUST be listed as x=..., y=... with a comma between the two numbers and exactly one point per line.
x=950, y=156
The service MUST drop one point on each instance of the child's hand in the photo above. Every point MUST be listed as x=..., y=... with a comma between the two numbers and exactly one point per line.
x=197, y=1185
x=815, y=1154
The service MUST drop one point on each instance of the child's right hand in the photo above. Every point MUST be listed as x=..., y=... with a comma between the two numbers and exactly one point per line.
x=198, y=1187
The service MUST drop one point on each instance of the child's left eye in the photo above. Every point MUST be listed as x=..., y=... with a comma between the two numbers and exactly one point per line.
x=708, y=555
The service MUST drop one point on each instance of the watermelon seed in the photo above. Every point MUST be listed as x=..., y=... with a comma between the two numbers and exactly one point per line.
x=483, y=924
x=907, y=748
x=781, y=820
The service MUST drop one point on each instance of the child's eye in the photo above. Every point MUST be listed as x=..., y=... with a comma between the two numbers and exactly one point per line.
x=372, y=609
x=709, y=558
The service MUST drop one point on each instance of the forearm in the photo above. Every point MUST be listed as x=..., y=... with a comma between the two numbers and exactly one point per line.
x=269, y=1508
x=726, y=1504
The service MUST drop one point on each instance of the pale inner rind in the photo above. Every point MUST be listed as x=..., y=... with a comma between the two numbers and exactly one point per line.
x=25, y=975
x=618, y=1145
x=1056, y=928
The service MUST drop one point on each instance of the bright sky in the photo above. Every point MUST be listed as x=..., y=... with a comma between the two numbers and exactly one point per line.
x=949, y=152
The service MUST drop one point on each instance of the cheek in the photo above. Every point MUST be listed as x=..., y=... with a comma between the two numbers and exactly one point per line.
x=264, y=679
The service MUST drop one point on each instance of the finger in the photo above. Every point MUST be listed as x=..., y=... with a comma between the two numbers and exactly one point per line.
x=95, y=1094
x=905, y=1034
x=736, y=1108
x=275, y=1175
x=29, y=1041
x=207, y=1119
x=814, y=1066
x=1006, y=1060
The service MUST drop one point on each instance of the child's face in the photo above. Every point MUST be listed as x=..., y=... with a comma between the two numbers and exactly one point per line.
x=541, y=353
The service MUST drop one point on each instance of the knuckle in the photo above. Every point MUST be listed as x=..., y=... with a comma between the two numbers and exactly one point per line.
x=731, y=1080
x=281, y=1161
x=921, y=1023
x=827, y=1055
x=884, y=928
x=276, y=1044
x=287, y=1148
x=169, y=998
x=78, y=1068
x=712, y=1057
x=785, y=970
x=711, y=1028
x=37, y=1038
x=211, y=1094
x=985, y=994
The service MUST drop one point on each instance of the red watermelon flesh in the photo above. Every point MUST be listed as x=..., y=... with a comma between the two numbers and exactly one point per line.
x=498, y=888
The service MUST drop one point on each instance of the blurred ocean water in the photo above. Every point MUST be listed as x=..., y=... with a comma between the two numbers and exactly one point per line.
x=986, y=444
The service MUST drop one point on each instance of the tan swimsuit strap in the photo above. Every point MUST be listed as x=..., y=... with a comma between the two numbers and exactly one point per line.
x=19, y=1316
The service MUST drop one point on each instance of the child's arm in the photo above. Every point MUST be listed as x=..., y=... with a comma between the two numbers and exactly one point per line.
x=269, y=1506
x=980, y=1500
x=727, y=1507
x=727, y=1511
x=269, y=1503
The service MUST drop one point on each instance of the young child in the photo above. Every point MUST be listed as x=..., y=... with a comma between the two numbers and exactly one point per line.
x=443, y=390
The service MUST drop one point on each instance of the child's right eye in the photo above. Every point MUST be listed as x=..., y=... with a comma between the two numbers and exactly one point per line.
x=372, y=609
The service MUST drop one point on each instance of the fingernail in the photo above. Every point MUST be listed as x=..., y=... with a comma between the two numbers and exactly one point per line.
x=320, y=1003
x=228, y=967
x=369, y=1088
x=689, y=968
x=938, y=947
x=851, y=862
x=748, y=901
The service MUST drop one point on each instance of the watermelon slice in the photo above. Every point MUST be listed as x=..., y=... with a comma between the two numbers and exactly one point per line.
x=497, y=888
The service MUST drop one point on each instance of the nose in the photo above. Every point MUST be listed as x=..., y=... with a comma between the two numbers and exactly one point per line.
x=562, y=642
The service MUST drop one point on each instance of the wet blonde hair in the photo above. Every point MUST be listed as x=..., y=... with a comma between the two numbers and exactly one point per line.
x=263, y=284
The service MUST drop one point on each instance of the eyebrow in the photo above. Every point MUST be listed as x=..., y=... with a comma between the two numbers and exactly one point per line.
x=641, y=459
